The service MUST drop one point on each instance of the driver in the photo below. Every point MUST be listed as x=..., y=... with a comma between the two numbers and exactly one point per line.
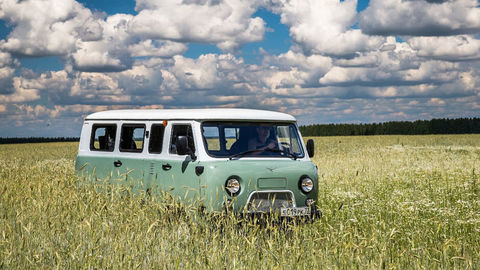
x=261, y=141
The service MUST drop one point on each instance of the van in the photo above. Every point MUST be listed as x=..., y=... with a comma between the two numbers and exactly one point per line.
x=248, y=161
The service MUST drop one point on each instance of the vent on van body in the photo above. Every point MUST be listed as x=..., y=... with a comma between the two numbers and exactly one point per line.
x=152, y=168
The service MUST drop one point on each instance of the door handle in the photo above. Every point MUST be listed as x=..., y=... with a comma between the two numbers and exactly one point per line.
x=117, y=163
x=166, y=167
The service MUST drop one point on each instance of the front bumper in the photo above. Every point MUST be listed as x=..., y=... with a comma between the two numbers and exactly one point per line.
x=279, y=203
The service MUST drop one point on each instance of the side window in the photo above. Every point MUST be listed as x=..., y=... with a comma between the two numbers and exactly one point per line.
x=231, y=136
x=131, y=139
x=181, y=130
x=295, y=141
x=103, y=137
x=212, y=138
x=283, y=133
x=156, y=139
x=288, y=139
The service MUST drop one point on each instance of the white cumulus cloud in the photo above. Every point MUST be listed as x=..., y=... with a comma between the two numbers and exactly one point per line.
x=20, y=93
x=294, y=69
x=110, y=53
x=325, y=27
x=7, y=71
x=226, y=23
x=421, y=18
x=164, y=49
x=46, y=27
x=338, y=69
x=454, y=48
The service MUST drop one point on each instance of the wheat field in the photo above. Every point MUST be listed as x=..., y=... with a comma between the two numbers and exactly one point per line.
x=389, y=202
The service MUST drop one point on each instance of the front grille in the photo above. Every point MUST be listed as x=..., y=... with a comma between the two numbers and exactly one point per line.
x=261, y=202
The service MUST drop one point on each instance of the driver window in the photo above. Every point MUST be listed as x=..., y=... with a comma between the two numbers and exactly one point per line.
x=181, y=130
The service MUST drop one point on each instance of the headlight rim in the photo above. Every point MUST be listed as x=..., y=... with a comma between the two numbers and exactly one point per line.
x=228, y=190
x=301, y=186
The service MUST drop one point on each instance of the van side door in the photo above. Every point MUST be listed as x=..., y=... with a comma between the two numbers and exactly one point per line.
x=180, y=169
x=129, y=163
x=96, y=156
x=157, y=178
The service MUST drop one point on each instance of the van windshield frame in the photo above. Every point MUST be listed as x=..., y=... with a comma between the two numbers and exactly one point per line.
x=240, y=139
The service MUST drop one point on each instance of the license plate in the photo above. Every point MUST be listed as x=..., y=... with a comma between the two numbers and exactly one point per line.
x=295, y=211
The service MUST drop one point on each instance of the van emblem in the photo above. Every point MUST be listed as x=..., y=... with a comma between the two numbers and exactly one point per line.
x=271, y=169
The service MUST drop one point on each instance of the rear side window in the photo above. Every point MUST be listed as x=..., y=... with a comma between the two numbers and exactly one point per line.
x=103, y=137
x=156, y=139
x=131, y=139
x=181, y=130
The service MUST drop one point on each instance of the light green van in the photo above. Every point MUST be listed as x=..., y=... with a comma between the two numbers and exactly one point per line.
x=251, y=161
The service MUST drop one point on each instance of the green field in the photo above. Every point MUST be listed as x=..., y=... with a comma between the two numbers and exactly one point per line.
x=391, y=202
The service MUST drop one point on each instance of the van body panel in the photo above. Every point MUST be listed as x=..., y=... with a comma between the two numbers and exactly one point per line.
x=282, y=175
x=181, y=181
x=96, y=167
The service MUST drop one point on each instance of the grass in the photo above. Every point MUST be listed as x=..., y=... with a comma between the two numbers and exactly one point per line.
x=390, y=202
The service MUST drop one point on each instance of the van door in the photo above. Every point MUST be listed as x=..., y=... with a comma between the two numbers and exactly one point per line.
x=182, y=180
x=96, y=162
x=157, y=178
x=130, y=162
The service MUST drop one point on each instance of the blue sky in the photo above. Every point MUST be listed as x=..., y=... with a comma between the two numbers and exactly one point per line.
x=326, y=61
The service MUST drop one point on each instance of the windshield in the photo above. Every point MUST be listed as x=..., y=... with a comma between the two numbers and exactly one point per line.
x=251, y=139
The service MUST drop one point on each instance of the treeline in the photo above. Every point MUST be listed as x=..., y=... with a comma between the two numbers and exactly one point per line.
x=419, y=127
x=434, y=126
x=38, y=140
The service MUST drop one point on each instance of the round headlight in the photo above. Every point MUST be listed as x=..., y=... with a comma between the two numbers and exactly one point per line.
x=306, y=185
x=232, y=186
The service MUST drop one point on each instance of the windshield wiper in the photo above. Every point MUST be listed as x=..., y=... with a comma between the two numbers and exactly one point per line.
x=293, y=156
x=244, y=153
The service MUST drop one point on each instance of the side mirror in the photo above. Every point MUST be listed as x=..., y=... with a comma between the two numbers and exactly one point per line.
x=310, y=148
x=182, y=147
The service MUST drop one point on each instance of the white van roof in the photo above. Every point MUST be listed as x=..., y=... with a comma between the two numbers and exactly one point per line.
x=192, y=114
